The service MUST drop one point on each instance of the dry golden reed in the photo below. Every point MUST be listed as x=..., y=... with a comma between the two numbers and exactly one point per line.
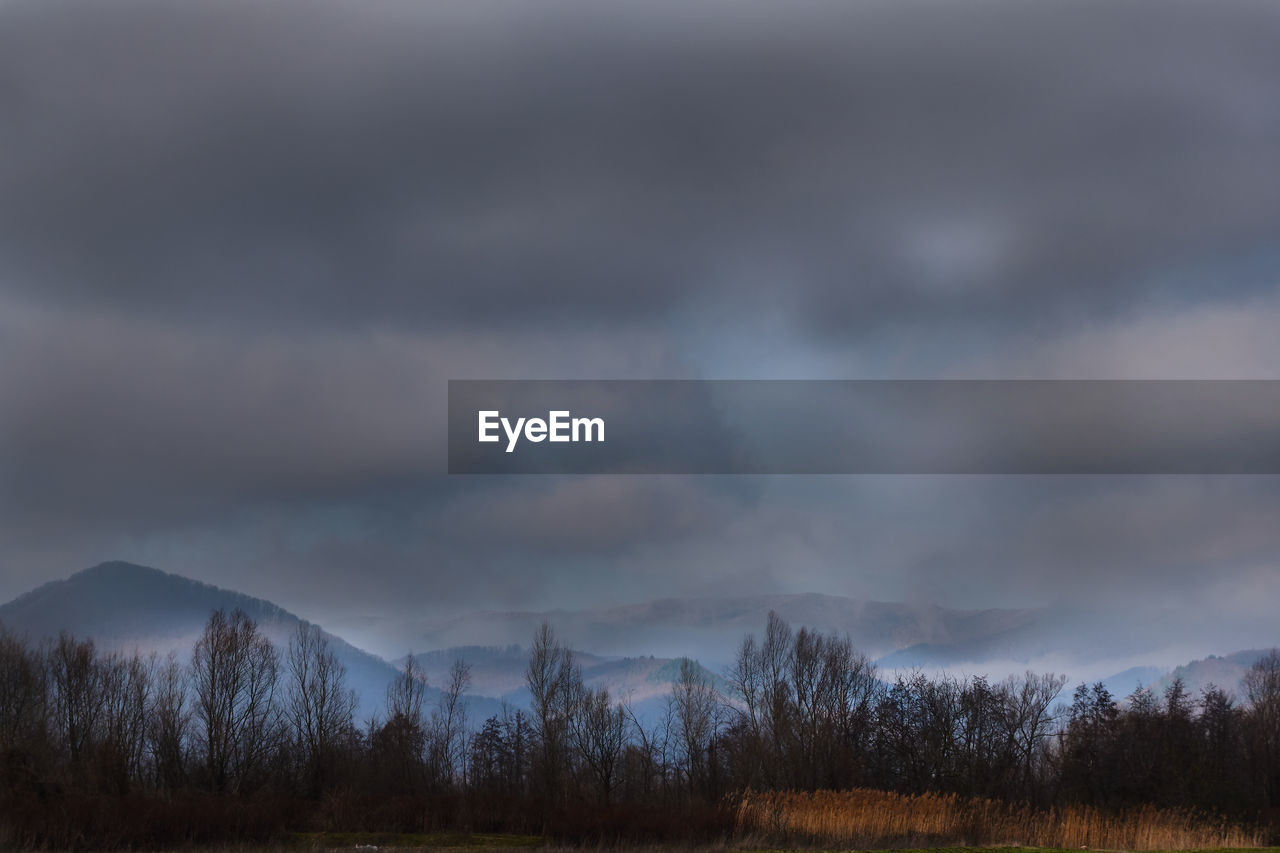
x=869, y=818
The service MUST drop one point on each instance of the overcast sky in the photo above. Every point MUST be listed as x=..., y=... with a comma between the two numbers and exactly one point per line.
x=244, y=245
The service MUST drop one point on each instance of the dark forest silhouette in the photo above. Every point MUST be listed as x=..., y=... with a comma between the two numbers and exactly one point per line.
x=244, y=740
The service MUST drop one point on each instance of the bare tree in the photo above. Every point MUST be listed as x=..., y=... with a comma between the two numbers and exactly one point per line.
x=1029, y=721
x=75, y=688
x=448, y=727
x=848, y=697
x=406, y=695
x=1262, y=687
x=598, y=729
x=319, y=706
x=652, y=750
x=399, y=744
x=696, y=704
x=22, y=694
x=169, y=725
x=809, y=683
x=775, y=684
x=125, y=687
x=744, y=677
x=550, y=676
x=235, y=670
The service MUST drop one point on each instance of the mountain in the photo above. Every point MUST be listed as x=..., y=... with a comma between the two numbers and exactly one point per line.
x=1124, y=683
x=499, y=673
x=1225, y=671
x=127, y=607
x=713, y=627
x=123, y=606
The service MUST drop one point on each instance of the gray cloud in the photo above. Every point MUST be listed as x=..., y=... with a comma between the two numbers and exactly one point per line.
x=377, y=163
x=244, y=245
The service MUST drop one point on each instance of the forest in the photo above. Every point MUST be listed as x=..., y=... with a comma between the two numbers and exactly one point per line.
x=241, y=741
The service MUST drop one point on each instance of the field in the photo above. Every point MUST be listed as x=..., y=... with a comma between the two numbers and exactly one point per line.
x=402, y=843
x=860, y=819
x=880, y=819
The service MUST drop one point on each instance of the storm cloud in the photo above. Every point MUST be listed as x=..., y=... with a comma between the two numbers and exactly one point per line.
x=243, y=247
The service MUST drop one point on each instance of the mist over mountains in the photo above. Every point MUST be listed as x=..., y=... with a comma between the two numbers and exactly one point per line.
x=127, y=607
x=633, y=650
x=1224, y=671
x=123, y=606
x=498, y=673
x=711, y=628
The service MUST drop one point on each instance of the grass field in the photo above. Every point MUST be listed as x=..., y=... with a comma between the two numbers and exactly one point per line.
x=854, y=820
x=391, y=843
x=862, y=819
x=410, y=841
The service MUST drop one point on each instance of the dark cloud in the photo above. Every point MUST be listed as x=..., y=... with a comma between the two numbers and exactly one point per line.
x=244, y=245
x=378, y=163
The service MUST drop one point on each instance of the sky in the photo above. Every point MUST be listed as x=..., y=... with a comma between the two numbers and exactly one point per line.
x=244, y=246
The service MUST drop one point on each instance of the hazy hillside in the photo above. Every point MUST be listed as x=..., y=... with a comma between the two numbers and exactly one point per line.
x=1123, y=683
x=121, y=604
x=1226, y=671
x=711, y=628
x=126, y=606
x=499, y=673
x=633, y=650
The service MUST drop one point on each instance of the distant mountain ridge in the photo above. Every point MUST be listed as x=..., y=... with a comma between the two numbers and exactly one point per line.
x=1224, y=671
x=116, y=602
x=672, y=627
x=124, y=606
x=499, y=672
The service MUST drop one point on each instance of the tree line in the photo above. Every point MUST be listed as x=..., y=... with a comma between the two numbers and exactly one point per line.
x=240, y=719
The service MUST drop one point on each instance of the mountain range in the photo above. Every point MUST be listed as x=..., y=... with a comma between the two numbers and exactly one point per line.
x=634, y=649
x=127, y=607
x=671, y=627
x=124, y=607
x=1224, y=671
